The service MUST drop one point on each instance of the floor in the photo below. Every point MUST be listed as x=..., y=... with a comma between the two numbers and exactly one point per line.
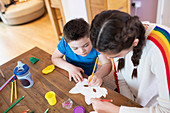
x=15, y=40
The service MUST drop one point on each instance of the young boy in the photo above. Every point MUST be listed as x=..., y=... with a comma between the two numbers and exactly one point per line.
x=79, y=53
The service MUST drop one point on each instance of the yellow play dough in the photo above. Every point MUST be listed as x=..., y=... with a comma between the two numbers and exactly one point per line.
x=48, y=69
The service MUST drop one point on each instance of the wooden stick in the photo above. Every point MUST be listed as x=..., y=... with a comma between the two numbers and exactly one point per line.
x=2, y=73
x=93, y=70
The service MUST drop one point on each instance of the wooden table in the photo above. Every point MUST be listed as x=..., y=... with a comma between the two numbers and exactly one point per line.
x=56, y=81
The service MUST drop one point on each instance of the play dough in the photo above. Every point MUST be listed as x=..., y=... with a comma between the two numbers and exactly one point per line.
x=48, y=69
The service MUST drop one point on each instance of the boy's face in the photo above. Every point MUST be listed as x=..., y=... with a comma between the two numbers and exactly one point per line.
x=81, y=47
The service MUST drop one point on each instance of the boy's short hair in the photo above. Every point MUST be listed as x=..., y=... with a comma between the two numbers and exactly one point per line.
x=76, y=29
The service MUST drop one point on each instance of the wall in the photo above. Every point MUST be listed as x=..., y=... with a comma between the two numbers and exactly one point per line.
x=148, y=10
x=77, y=9
x=166, y=13
x=74, y=9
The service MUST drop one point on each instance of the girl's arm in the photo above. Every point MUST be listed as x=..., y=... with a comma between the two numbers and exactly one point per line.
x=104, y=70
x=106, y=67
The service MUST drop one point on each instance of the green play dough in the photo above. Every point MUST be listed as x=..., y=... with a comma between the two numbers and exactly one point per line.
x=33, y=60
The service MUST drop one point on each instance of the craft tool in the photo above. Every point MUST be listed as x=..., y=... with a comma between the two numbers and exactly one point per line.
x=14, y=104
x=6, y=82
x=15, y=83
x=2, y=74
x=26, y=111
x=93, y=70
x=12, y=87
x=106, y=100
x=14, y=78
x=46, y=111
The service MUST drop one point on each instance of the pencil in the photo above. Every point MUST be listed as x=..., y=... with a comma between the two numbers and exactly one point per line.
x=93, y=70
x=26, y=111
x=6, y=82
x=2, y=73
x=12, y=87
x=106, y=100
x=15, y=83
x=14, y=104
x=46, y=110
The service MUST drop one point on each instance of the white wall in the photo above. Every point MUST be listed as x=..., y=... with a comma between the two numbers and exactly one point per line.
x=166, y=13
x=163, y=12
x=147, y=11
x=74, y=9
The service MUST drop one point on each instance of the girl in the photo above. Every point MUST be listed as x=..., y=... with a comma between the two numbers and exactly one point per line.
x=143, y=69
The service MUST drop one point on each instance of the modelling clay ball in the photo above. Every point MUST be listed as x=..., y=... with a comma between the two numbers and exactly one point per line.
x=33, y=60
x=48, y=69
x=79, y=109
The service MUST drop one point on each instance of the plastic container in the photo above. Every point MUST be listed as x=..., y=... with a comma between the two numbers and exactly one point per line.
x=67, y=104
x=79, y=109
x=23, y=74
x=51, y=98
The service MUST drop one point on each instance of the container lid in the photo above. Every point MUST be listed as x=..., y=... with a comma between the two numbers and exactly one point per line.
x=79, y=109
x=21, y=71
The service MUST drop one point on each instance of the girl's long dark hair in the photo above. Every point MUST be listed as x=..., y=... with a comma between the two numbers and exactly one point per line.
x=113, y=31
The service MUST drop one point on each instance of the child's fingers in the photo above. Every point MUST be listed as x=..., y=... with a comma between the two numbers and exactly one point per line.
x=98, y=83
x=80, y=77
x=75, y=78
x=89, y=79
x=70, y=77
x=93, y=80
x=81, y=70
x=94, y=100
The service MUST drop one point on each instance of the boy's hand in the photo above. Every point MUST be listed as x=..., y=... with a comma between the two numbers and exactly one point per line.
x=96, y=80
x=76, y=73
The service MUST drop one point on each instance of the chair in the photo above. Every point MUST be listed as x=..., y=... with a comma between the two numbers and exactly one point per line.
x=23, y=12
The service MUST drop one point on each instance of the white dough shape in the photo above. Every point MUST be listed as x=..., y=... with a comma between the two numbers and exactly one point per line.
x=88, y=92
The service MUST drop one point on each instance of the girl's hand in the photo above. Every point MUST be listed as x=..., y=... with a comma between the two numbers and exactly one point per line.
x=104, y=107
x=76, y=73
x=96, y=80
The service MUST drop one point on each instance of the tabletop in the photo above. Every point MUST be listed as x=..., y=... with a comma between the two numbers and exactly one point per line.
x=56, y=81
